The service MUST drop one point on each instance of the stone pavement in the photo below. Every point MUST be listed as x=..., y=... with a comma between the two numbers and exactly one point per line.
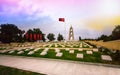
x=56, y=67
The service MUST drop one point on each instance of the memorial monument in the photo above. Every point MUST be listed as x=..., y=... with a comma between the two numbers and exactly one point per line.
x=71, y=34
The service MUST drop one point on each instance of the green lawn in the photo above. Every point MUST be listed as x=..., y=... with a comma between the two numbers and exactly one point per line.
x=94, y=58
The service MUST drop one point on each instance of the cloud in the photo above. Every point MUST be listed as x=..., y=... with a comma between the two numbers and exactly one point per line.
x=89, y=18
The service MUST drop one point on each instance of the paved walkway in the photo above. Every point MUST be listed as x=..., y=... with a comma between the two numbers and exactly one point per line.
x=56, y=67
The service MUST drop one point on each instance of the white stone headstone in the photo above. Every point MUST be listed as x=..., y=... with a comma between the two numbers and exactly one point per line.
x=59, y=54
x=80, y=49
x=20, y=52
x=57, y=50
x=67, y=49
x=46, y=49
x=11, y=51
x=79, y=55
x=27, y=50
x=4, y=51
x=71, y=51
x=95, y=50
x=37, y=49
x=106, y=57
x=31, y=52
x=31, y=47
x=43, y=53
x=89, y=52
x=81, y=45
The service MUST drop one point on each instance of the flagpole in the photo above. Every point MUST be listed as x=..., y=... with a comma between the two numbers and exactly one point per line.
x=65, y=31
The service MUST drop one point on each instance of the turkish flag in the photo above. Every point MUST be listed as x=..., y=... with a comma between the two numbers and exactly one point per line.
x=31, y=37
x=61, y=19
x=40, y=36
x=35, y=37
x=26, y=35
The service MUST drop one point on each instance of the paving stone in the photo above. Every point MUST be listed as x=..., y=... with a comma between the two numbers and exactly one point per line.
x=89, y=52
x=43, y=53
x=59, y=54
x=31, y=52
x=106, y=57
x=80, y=49
x=95, y=50
x=71, y=51
x=20, y=52
x=79, y=55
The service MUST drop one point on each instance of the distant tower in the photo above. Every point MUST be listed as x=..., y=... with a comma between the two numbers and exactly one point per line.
x=71, y=34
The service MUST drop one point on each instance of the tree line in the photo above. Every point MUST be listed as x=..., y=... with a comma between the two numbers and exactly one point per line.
x=115, y=35
x=11, y=33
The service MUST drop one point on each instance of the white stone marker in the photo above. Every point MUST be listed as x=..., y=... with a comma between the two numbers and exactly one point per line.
x=11, y=52
x=57, y=50
x=27, y=50
x=59, y=54
x=31, y=48
x=81, y=45
x=67, y=49
x=85, y=45
x=71, y=51
x=79, y=55
x=56, y=45
x=43, y=53
x=19, y=49
x=4, y=51
x=95, y=50
x=20, y=52
x=91, y=46
x=89, y=52
x=46, y=49
x=37, y=49
x=80, y=49
x=31, y=52
x=106, y=57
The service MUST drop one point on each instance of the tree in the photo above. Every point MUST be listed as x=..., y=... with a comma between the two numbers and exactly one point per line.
x=116, y=33
x=10, y=33
x=60, y=37
x=50, y=36
x=103, y=37
x=79, y=38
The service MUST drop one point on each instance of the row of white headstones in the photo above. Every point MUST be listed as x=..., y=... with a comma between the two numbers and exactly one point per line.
x=58, y=52
x=82, y=44
x=69, y=45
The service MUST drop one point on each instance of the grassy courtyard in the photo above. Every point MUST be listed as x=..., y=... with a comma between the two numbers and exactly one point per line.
x=68, y=51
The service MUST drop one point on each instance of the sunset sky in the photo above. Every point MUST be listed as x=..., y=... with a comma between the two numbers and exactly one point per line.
x=89, y=18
